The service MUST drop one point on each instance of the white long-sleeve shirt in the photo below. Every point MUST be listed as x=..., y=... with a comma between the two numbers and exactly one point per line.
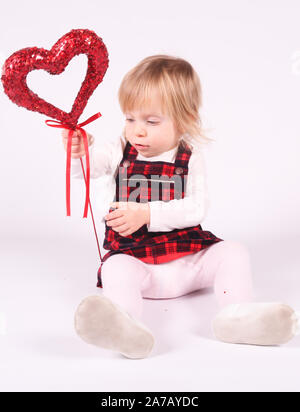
x=164, y=216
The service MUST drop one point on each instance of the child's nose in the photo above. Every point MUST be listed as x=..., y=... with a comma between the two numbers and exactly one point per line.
x=140, y=131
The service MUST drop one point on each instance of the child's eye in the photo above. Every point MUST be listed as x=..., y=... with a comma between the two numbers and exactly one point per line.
x=149, y=121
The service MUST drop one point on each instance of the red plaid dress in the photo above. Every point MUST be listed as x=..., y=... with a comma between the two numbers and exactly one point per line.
x=153, y=247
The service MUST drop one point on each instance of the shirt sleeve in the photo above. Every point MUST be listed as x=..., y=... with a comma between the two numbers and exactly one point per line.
x=103, y=159
x=186, y=212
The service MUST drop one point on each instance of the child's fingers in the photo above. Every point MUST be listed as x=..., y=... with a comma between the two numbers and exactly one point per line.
x=81, y=151
x=76, y=149
x=76, y=133
x=122, y=228
x=115, y=223
x=77, y=155
x=77, y=146
x=77, y=136
x=65, y=133
x=75, y=140
x=91, y=139
x=114, y=214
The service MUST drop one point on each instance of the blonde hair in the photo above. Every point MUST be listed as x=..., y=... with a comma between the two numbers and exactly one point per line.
x=179, y=89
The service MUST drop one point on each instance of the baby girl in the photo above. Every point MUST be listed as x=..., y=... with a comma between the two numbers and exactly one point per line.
x=156, y=245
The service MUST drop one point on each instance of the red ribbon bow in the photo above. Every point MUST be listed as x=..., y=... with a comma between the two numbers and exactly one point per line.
x=69, y=146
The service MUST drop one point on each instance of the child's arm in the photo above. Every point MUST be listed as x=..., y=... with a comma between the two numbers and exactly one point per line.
x=186, y=212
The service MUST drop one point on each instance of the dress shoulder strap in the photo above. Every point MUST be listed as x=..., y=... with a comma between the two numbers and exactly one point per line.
x=129, y=153
x=183, y=155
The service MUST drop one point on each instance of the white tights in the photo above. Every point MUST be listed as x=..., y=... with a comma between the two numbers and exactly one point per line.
x=225, y=266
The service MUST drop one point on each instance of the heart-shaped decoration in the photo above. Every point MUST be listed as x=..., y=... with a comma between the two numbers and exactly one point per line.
x=54, y=61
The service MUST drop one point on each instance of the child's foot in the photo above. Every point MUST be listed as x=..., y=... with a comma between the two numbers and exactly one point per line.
x=101, y=322
x=256, y=323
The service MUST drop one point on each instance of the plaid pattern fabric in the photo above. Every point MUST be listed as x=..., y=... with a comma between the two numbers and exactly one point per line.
x=154, y=247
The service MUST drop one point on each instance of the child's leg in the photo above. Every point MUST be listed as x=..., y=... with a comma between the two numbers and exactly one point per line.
x=122, y=277
x=111, y=321
x=226, y=267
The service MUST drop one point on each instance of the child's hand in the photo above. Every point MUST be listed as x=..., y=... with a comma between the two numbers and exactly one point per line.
x=128, y=217
x=77, y=149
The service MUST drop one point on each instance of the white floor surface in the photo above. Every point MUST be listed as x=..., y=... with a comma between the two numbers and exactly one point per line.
x=40, y=351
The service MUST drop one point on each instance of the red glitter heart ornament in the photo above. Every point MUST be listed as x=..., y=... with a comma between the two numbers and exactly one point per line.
x=20, y=63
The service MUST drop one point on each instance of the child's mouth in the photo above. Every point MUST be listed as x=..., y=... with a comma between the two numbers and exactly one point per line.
x=141, y=146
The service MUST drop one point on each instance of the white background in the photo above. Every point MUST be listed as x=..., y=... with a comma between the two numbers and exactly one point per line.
x=247, y=54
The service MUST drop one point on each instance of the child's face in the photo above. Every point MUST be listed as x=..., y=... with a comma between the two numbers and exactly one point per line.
x=150, y=131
